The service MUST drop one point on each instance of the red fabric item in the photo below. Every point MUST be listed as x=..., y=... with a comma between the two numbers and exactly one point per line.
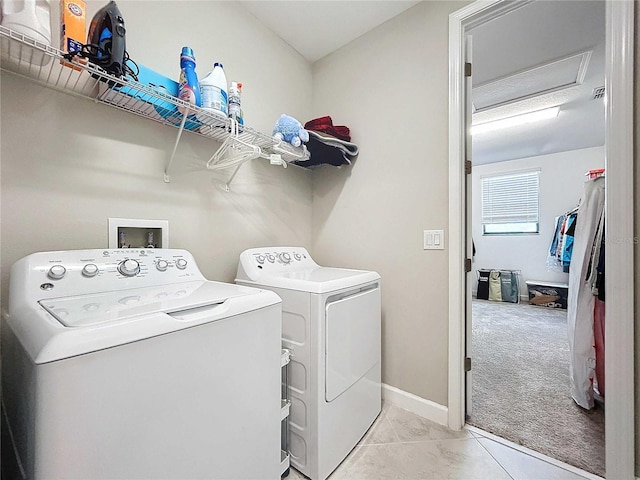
x=598, y=335
x=325, y=125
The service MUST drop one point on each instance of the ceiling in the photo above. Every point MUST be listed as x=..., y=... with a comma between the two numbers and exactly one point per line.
x=315, y=28
x=540, y=55
x=537, y=55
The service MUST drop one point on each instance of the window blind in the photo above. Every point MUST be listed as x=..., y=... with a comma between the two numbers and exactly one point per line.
x=512, y=198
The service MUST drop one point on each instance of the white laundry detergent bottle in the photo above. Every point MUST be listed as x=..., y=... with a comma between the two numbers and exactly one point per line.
x=213, y=93
x=33, y=19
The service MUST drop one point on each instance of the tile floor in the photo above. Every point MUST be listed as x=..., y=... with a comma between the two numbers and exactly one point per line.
x=404, y=446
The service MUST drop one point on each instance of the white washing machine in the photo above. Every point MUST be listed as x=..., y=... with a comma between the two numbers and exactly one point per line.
x=331, y=323
x=122, y=364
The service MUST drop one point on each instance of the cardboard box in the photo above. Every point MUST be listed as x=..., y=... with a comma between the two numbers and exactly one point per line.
x=548, y=294
x=73, y=27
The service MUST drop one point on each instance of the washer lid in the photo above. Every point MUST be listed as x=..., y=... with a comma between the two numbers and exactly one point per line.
x=316, y=280
x=107, y=307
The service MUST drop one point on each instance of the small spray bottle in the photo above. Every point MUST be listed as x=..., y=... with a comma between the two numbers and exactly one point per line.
x=235, y=110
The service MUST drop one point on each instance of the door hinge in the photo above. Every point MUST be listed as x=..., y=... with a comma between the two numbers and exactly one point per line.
x=467, y=364
x=467, y=69
x=467, y=265
x=467, y=167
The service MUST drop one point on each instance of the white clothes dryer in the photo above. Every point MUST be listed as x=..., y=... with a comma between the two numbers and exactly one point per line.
x=128, y=363
x=331, y=323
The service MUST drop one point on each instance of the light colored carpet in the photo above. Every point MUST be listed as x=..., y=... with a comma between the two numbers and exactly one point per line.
x=520, y=375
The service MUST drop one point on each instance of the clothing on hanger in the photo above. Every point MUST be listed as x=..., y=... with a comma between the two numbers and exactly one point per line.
x=581, y=301
x=568, y=240
x=561, y=248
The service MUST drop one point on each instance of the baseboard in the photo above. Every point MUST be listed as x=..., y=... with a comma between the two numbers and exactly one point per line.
x=425, y=408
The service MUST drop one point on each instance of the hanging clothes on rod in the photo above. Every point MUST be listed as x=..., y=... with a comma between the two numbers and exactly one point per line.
x=561, y=248
x=589, y=236
x=568, y=241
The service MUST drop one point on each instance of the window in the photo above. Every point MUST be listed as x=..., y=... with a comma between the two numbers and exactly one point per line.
x=510, y=203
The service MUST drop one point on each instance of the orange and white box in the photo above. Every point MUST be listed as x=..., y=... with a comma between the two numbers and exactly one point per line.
x=73, y=24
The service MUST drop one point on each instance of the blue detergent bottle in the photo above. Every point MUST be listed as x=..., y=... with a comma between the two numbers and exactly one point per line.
x=189, y=90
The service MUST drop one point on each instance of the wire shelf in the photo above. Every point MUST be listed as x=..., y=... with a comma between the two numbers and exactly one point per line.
x=47, y=66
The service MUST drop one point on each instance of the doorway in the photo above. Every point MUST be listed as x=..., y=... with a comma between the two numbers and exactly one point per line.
x=524, y=178
x=618, y=145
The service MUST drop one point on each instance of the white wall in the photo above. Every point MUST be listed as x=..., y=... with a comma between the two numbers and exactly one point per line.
x=390, y=86
x=561, y=186
x=68, y=164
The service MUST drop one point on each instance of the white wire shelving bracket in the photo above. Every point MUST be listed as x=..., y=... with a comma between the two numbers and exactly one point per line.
x=47, y=66
x=241, y=146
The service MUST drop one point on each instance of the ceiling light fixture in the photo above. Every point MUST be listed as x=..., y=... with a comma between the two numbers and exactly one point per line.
x=516, y=120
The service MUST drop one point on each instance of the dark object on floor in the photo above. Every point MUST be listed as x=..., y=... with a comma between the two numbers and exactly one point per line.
x=483, y=284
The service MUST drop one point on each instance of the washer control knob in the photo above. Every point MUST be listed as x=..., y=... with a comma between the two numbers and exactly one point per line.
x=297, y=256
x=90, y=270
x=271, y=257
x=57, y=272
x=162, y=265
x=129, y=267
x=260, y=259
x=284, y=257
x=181, y=263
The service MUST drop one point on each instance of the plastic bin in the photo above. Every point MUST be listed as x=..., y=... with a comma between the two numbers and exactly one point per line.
x=548, y=294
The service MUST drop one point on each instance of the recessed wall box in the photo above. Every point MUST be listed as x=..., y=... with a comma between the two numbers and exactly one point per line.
x=138, y=233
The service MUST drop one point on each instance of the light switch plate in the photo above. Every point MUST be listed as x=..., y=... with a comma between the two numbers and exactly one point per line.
x=433, y=239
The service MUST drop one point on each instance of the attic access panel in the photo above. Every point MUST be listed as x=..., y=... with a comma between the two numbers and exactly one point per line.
x=548, y=77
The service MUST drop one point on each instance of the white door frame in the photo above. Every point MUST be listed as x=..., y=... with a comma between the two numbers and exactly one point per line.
x=619, y=407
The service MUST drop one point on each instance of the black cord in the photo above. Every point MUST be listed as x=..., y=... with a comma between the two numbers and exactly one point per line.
x=127, y=69
x=96, y=55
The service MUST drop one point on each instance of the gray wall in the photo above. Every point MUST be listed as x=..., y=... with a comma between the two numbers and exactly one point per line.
x=390, y=86
x=69, y=164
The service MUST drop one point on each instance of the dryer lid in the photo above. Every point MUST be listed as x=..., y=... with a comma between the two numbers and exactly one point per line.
x=107, y=307
x=317, y=280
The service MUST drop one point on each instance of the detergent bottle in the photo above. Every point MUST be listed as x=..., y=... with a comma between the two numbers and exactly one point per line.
x=189, y=90
x=31, y=18
x=213, y=91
